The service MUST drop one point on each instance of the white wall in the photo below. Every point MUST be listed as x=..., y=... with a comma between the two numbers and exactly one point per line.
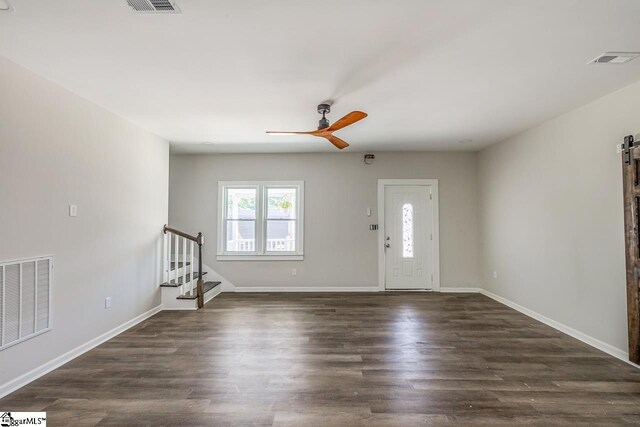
x=340, y=250
x=552, y=217
x=56, y=149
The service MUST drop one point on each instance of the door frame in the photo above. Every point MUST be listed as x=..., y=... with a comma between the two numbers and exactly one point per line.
x=433, y=183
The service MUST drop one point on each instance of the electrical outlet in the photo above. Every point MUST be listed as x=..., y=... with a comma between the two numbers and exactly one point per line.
x=294, y=272
x=495, y=274
x=73, y=210
x=107, y=302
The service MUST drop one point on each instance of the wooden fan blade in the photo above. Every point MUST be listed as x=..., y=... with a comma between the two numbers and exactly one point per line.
x=281, y=132
x=340, y=144
x=347, y=120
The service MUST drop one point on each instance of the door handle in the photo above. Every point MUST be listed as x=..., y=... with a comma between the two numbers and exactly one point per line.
x=386, y=245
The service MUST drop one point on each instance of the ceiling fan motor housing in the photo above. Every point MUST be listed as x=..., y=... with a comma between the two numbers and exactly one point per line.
x=324, y=108
x=323, y=123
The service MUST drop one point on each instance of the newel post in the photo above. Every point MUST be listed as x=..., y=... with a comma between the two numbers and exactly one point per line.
x=200, y=283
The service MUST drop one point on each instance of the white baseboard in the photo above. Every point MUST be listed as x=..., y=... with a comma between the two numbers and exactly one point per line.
x=452, y=290
x=36, y=373
x=306, y=289
x=587, y=339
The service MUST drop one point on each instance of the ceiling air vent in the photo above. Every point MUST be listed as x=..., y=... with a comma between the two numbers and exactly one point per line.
x=615, y=58
x=154, y=6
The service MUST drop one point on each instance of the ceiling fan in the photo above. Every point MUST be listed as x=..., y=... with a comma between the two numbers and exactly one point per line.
x=325, y=130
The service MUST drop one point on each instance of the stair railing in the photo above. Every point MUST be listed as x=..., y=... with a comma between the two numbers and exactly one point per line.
x=172, y=245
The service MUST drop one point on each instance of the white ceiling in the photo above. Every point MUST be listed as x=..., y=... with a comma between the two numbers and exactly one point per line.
x=429, y=72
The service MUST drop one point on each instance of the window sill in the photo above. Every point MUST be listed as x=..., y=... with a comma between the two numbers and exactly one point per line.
x=260, y=257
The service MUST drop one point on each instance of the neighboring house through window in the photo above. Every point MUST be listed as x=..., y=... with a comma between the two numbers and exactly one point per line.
x=260, y=220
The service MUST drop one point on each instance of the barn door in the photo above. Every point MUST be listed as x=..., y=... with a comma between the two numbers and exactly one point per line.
x=631, y=189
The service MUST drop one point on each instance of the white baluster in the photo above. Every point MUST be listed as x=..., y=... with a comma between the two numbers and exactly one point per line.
x=165, y=267
x=168, y=256
x=176, y=251
x=192, y=265
x=184, y=262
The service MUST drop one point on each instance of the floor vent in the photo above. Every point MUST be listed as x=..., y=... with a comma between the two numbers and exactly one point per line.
x=154, y=6
x=25, y=299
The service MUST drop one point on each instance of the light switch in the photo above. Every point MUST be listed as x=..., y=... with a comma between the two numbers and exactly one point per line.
x=368, y=211
x=73, y=210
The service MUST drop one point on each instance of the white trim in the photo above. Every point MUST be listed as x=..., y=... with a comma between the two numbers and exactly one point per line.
x=433, y=183
x=260, y=257
x=587, y=339
x=454, y=290
x=306, y=289
x=36, y=373
x=261, y=188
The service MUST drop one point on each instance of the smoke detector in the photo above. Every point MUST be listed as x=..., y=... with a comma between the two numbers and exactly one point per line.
x=5, y=6
x=153, y=6
x=615, y=58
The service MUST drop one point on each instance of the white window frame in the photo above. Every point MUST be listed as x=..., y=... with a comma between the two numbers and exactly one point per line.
x=260, y=254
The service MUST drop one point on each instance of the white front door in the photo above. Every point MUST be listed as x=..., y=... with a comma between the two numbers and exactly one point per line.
x=408, y=237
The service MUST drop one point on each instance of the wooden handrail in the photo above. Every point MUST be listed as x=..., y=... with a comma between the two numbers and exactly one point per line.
x=198, y=239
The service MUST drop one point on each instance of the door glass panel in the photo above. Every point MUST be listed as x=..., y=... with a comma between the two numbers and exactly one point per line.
x=407, y=230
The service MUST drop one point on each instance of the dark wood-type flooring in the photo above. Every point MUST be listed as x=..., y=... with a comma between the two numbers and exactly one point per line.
x=388, y=359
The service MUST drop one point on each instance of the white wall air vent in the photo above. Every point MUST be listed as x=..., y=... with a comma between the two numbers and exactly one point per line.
x=615, y=58
x=25, y=299
x=154, y=6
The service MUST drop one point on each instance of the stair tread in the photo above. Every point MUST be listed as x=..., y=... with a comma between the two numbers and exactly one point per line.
x=207, y=287
x=180, y=265
x=174, y=284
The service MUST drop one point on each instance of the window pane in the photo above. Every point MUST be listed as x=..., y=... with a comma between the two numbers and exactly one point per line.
x=281, y=236
x=241, y=236
x=407, y=231
x=241, y=203
x=281, y=203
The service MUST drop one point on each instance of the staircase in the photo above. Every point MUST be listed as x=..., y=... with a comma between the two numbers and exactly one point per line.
x=184, y=286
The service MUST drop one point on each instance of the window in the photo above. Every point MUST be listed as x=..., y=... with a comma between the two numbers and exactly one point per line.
x=260, y=220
